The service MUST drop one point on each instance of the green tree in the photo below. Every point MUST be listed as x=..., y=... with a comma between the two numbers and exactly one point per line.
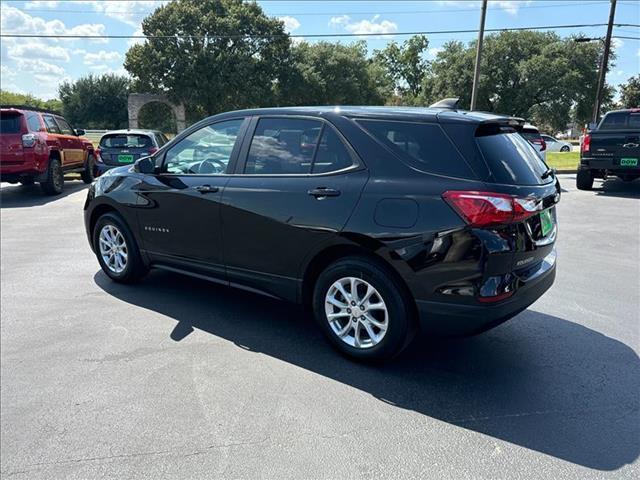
x=333, y=74
x=222, y=55
x=96, y=101
x=630, y=93
x=12, y=98
x=406, y=65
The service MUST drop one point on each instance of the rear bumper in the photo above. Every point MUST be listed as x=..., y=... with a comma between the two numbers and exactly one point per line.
x=610, y=165
x=103, y=168
x=30, y=165
x=444, y=318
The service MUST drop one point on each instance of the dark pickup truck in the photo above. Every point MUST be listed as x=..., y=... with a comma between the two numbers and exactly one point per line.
x=612, y=148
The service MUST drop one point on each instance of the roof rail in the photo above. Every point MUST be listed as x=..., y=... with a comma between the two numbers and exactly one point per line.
x=31, y=108
x=448, y=103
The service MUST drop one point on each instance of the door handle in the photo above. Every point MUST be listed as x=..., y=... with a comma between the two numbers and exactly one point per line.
x=322, y=192
x=206, y=189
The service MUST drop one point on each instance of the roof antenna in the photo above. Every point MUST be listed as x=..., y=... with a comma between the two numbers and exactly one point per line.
x=448, y=103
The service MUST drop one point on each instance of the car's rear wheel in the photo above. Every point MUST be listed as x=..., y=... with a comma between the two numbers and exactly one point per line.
x=53, y=183
x=117, y=250
x=362, y=309
x=565, y=148
x=88, y=174
x=584, y=180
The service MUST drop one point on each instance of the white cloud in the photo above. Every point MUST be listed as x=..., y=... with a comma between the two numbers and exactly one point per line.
x=433, y=52
x=130, y=12
x=509, y=6
x=99, y=67
x=6, y=72
x=39, y=67
x=100, y=57
x=290, y=23
x=617, y=43
x=37, y=50
x=14, y=20
x=364, y=27
x=135, y=41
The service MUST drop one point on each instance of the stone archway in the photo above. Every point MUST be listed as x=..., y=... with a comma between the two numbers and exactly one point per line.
x=138, y=100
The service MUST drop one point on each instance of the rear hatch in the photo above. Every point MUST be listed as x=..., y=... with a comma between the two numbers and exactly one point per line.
x=618, y=139
x=11, y=129
x=125, y=148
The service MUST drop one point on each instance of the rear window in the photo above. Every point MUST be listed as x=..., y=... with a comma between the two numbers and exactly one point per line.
x=423, y=146
x=620, y=121
x=125, y=141
x=531, y=134
x=10, y=123
x=511, y=158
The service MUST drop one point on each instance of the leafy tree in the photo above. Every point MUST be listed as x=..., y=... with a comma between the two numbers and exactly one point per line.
x=333, y=73
x=405, y=64
x=630, y=93
x=96, y=101
x=229, y=55
x=12, y=98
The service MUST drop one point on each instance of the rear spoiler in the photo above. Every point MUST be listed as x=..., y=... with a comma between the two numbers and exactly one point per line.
x=513, y=122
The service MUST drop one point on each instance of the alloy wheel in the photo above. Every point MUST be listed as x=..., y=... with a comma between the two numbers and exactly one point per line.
x=356, y=312
x=113, y=248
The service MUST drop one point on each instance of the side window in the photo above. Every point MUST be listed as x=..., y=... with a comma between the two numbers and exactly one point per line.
x=205, y=151
x=65, y=128
x=52, y=126
x=33, y=122
x=331, y=155
x=283, y=146
x=424, y=146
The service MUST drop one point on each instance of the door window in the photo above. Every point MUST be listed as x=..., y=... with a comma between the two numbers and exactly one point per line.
x=283, y=146
x=65, y=128
x=52, y=126
x=206, y=151
x=331, y=154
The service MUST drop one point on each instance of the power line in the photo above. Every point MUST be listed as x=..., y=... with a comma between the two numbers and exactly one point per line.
x=316, y=35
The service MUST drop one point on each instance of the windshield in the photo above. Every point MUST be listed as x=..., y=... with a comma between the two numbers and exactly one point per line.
x=510, y=157
x=125, y=141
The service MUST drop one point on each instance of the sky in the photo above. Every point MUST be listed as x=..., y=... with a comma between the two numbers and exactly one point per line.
x=37, y=66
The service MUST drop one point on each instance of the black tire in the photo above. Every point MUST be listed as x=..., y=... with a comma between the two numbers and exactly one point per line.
x=88, y=174
x=584, y=180
x=565, y=149
x=134, y=268
x=27, y=181
x=401, y=326
x=54, y=181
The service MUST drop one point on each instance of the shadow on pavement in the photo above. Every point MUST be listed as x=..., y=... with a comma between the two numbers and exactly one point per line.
x=614, y=187
x=540, y=382
x=21, y=196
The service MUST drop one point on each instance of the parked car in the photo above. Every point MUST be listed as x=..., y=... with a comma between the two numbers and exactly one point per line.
x=383, y=220
x=555, y=145
x=532, y=134
x=612, y=148
x=123, y=147
x=41, y=146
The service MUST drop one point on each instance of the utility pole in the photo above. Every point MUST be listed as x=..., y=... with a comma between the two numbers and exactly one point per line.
x=603, y=63
x=476, y=70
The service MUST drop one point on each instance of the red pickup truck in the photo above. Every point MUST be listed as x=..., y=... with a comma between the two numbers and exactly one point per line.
x=40, y=146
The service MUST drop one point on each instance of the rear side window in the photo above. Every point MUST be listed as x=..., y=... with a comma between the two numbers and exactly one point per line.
x=424, y=146
x=634, y=120
x=511, y=158
x=33, y=122
x=10, y=123
x=52, y=126
x=283, y=146
x=125, y=141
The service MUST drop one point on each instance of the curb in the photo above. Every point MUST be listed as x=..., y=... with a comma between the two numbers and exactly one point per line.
x=566, y=171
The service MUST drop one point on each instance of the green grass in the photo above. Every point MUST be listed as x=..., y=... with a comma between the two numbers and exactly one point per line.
x=563, y=160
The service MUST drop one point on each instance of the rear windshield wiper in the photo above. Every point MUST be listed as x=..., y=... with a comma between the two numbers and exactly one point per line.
x=548, y=173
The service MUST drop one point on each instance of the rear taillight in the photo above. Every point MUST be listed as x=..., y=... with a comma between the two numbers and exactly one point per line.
x=98, y=155
x=29, y=140
x=586, y=143
x=485, y=209
x=153, y=150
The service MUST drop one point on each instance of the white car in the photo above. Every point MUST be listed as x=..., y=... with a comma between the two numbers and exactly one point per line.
x=555, y=145
x=532, y=134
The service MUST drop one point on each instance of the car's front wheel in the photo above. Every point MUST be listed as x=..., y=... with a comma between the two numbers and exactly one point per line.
x=565, y=148
x=117, y=250
x=363, y=310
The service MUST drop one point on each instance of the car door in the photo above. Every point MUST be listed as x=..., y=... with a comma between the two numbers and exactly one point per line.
x=72, y=144
x=179, y=208
x=296, y=184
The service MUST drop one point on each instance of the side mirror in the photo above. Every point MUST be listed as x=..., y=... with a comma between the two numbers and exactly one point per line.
x=80, y=132
x=146, y=165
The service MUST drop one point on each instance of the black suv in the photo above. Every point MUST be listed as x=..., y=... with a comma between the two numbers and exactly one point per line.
x=383, y=220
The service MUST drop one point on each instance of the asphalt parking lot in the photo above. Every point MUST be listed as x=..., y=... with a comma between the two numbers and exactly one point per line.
x=179, y=378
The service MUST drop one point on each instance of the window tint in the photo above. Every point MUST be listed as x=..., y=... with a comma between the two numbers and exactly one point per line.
x=205, y=151
x=124, y=140
x=283, y=146
x=65, y=128
x=424, y=146
x=511, y=158
x=331, y=154
x=634, y=120
x=10, y=123
x=612, y=121
x=33, y=122
x=52, y=126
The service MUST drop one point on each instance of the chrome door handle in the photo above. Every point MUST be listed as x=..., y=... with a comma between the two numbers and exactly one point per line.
x=321, y=192
x=206, y=189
